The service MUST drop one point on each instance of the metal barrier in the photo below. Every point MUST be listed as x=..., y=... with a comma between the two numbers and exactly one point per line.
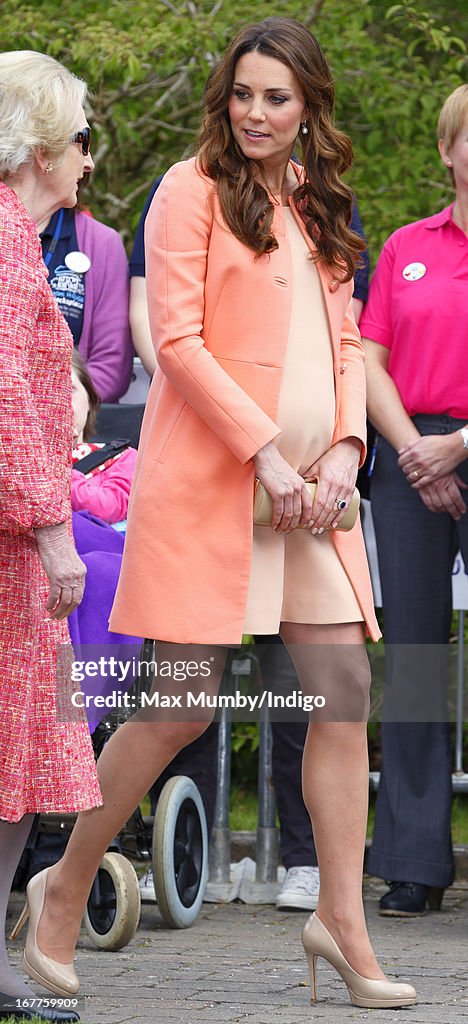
x=220, y=842
x=267, y=833
x=460, y=777
x=267, y=845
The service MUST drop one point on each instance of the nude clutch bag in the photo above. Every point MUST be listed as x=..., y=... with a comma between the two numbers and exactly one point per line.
x=263, y=507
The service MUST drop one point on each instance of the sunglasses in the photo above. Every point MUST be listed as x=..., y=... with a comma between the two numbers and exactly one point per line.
x=84, y=138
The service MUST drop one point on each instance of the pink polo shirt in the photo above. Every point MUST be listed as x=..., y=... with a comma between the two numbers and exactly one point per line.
x=418, y=308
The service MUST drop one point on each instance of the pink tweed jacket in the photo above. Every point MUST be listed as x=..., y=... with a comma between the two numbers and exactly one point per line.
x=46, y=759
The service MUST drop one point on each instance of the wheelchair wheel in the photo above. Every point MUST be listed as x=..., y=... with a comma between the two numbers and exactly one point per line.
x=113, y=909
x=180, y=852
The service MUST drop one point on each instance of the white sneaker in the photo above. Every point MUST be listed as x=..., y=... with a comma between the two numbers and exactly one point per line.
x=146, y=884
x=300, y=889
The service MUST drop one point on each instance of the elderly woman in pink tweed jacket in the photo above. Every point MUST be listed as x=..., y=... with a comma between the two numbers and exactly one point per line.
x=45, y=764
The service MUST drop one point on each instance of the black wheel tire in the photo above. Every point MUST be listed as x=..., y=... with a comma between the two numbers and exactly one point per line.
x=180, y=852
x=112, y=915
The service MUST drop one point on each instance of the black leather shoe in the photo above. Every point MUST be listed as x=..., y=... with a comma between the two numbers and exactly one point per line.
x=9, y=1008
x=409, y=899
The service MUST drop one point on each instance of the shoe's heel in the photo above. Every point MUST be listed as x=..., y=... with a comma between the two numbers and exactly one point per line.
x=435, y=897
x=20, y=922
x=312, y=963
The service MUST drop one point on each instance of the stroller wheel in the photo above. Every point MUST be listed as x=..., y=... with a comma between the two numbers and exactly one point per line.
x=180, y=852
x=113, y=909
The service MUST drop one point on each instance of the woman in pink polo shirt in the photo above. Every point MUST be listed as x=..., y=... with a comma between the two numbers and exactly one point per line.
x=415, y=324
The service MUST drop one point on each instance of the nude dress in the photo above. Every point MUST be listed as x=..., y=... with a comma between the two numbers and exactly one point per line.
x=298, y=577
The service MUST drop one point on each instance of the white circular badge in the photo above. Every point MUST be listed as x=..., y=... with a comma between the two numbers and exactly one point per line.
x=414, y=271
x=79, y=262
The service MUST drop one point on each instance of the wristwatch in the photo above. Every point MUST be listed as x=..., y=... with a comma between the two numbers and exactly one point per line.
x=464, y=434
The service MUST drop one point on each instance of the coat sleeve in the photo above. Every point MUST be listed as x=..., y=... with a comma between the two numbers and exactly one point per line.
x=30, y=497
x=177, y=239
x=109, y=355
x=105, y=494
x=352, y=408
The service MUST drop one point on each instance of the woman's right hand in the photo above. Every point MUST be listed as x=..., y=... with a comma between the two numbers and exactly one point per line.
x=63, y=567
x=292, y=503
x=444, y=495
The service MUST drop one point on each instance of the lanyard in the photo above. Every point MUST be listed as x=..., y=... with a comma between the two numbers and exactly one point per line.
x=54, y=241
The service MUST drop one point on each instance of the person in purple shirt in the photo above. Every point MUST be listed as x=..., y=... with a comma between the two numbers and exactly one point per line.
x=88, y=274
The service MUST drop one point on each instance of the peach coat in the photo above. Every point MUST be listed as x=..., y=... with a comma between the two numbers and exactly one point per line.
x=219, y=320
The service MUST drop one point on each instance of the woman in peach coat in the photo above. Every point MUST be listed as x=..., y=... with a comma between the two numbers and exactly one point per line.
x=245, y=252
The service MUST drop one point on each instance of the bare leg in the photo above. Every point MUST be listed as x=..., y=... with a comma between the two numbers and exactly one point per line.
x=129, y=764
x=335, y=777
x=13, y=836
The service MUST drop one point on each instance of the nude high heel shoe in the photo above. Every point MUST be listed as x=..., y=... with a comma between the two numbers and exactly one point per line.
x=56, y=977
x=368, y=992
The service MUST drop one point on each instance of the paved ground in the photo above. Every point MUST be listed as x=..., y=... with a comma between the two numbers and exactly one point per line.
x=245, y=964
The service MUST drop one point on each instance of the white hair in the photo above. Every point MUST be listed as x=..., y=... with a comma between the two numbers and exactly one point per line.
x=39, y=105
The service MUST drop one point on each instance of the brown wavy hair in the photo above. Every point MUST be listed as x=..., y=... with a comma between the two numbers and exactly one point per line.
x=94, y=402
x=323, y=200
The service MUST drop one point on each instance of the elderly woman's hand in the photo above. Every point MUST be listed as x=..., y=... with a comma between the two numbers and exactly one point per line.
x=336, y=472
x=292, y=505
x=430, y=457
x=64, y=569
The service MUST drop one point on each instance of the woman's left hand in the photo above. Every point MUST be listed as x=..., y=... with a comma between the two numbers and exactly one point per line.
x=336, y=472
x=431, y=457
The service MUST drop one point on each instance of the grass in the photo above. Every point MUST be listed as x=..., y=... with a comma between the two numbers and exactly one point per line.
x=244, y=810
x=14, y=1020
x=243, y=814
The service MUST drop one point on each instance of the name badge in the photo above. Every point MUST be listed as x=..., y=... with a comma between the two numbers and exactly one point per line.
x=79, y=262
x=414, y=271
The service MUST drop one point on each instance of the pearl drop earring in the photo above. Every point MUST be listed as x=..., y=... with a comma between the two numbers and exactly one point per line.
x=304, y=128
x=49, y=168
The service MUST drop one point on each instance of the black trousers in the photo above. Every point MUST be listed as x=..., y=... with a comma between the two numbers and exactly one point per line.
x=416, y=550
x=296, y=839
